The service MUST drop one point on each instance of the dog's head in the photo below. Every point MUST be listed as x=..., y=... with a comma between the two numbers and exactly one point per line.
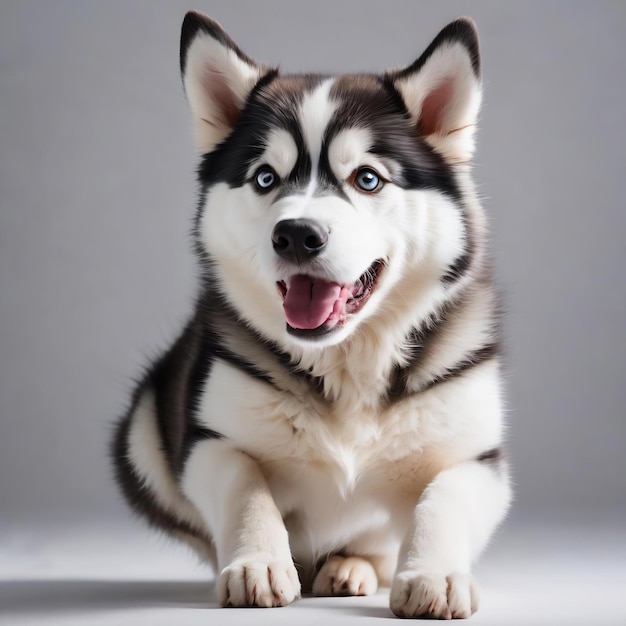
x=322, y=196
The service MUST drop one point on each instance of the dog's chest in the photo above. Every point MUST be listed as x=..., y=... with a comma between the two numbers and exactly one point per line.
x=292, y=434
x=340, y=469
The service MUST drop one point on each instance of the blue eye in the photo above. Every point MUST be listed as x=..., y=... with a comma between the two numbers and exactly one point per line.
x=367, y=179
x=265, y=178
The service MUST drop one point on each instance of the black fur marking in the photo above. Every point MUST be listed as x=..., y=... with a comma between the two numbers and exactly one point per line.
x=194, y=435
x=374, y=103
x=243, y=365
x=136, y=492
x=462, y=31
x=199, y=373
x=177, y=380
x=422, y=168
x=301, y=173
x=194, y=23
x=169, y=380
x=418, y=340
x=424, y=338
x=220, y=320
x=459, y=267
x=492, y=457
x=476, y=358
x=315, y=383
x=231, y=160
x=327, y=181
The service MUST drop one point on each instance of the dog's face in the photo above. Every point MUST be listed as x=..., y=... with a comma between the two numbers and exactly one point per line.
x=321, y=196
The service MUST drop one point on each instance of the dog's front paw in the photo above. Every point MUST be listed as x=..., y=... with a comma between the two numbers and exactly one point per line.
x=345, y=576
x=415, y=593
x=258, y=580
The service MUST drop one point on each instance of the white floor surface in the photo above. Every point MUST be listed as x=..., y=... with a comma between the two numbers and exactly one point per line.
x=545, y=574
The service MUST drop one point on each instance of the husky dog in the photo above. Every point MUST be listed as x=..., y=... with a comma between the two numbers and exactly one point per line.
x=330, y=418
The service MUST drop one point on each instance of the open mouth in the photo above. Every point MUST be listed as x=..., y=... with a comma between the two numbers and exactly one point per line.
x=315, y=307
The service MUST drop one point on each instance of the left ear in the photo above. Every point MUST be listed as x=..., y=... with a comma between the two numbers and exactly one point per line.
x=442, y=90
x=218, y=78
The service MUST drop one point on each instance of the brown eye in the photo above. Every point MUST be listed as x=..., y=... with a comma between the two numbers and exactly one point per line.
x=367, y=179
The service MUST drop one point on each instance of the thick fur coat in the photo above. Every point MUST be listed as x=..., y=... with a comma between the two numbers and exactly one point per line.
x=330, y=419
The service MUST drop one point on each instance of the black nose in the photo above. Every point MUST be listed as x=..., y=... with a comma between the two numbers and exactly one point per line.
x=299, y=240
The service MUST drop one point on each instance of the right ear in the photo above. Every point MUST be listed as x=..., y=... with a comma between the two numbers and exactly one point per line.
x=217, y=76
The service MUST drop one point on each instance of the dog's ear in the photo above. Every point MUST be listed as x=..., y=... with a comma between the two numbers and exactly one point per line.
x=217, y=77
x=442, y=90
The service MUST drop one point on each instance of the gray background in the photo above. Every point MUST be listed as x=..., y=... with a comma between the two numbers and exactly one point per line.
x=97, y=192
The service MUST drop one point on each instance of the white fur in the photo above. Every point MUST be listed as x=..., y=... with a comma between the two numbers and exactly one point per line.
x=281, y=153
x=330, y=480
x=451, y=524
x=253, y=552
x=298, y=475
x=455, y=136
x=349, y=150
x=144, y=451
x=336, y=476
x=208, y=62
x=393, y=225
x=351, y=576
x=315, y=112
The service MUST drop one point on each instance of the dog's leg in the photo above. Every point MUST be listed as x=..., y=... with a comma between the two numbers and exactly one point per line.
x=451, y=524
x=253, y=551
x=346, y=576
x=365, y=563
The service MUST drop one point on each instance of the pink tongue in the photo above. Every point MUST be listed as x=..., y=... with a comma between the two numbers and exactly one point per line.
x=310, y=302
